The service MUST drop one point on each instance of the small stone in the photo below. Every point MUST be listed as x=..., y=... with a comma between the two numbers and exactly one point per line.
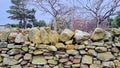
x=60, y=45
x=17, y=57
x=20, y=38
x=69, y=42
x=3, y=44
x=105, y=56
x=14, y=52
x=76, y=60
x=63, y=60
x=46, y=66
x=76, y=66
x=16, y=66
x=72, y=52
x=68, y=63
x=95, y=66
x=25, y=49
x=70, y=47
x=87, y=59
x=117, y=44
x=117, y=63
x=109, y=64
x=115, y=50
x=97, y=62
x=52, y=48
x=116, y=31
x=8, y=61
x=41, y=46
x=24, y=62
x=101, y=49
x=52, y=62
x=108, y=35
x=83, y=52
x=48, y=57
x=98, y=44
x=92, y=52
x=90, y=47
x=39, y=60
x=56, y=67
x=84, y=66
x=79, y=46
x=38, y=52
x=27, y=57
x=10, y=46
x=18, y=46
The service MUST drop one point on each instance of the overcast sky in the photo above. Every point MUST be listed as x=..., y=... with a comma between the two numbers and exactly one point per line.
x=4, y=6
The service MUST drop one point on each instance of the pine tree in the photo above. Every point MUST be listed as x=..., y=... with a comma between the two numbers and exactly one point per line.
x=20, y=12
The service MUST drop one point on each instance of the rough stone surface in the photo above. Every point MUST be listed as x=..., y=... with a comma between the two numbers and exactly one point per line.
x=98, y=34
x=66, y=35
x=72, y=52
x=81, y=36
x=87, y=59
x=34, y=35
x=105, y=56
x=3, y=44
x=101, y=49
x=108, y=64
x=20, y=38
x=39, y=60
x=45, y=48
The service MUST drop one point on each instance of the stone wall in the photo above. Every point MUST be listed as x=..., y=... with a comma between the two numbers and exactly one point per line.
x=44, y=48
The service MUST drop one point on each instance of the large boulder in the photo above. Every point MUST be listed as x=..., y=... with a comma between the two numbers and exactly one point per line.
x=44, y=35
x=54, y=37
x=98, y=34
x=34, y=35
x=81, y=36
x=12, y=36
x=4, y=35
x=20, y=38
x=66, y=35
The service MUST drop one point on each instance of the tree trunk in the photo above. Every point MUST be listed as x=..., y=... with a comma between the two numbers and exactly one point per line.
x=54, y=23
x=24, y=24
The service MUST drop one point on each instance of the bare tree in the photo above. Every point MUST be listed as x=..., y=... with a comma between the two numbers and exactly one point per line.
x=99, y=9
x=53, y=7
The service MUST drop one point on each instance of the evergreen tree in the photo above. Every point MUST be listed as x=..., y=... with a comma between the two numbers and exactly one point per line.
x=20, y=12
x=116, y=21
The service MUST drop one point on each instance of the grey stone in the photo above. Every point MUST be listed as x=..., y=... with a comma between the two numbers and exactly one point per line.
x=72, y=52
x=87, y=59
x=109, y=64
x=10, y=46
x=105, y=56
x=20, y=38
x=39, y=60
x=3, y=44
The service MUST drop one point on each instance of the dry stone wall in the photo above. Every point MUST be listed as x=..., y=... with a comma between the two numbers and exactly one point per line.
x=45, y=48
